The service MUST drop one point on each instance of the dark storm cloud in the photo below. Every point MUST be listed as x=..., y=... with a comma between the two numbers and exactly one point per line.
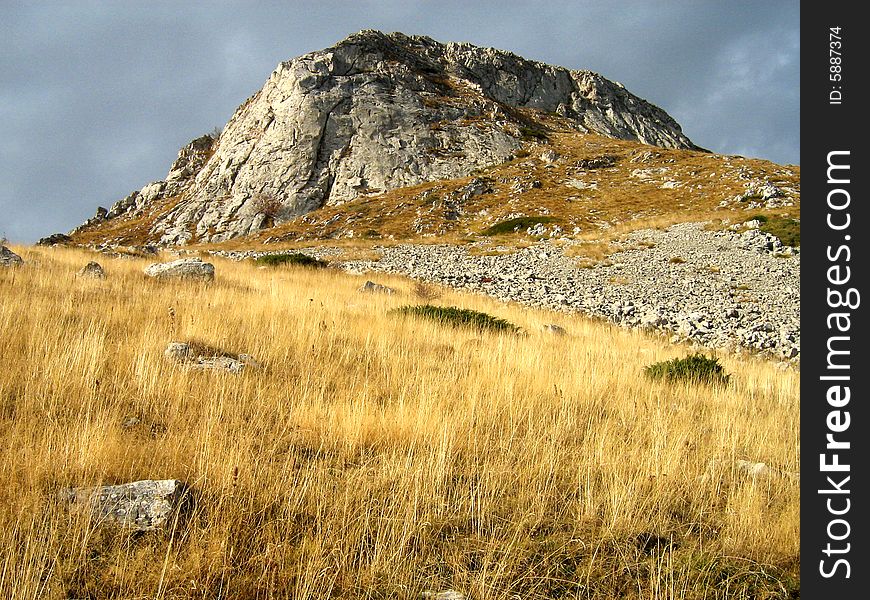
x=97, y=98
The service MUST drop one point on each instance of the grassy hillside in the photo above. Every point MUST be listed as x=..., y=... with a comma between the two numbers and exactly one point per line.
x=377, y=455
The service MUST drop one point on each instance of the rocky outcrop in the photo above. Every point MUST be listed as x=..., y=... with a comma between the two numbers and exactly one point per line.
x=142, y=505
x=54, y=239
x=183, y=268
x=9, y=259
x=377, y=112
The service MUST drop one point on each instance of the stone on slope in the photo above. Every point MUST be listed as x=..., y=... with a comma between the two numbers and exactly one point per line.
x=198, y=357
x=93, y=270
x=753, y=469
x=442, y=595
x=183, y=268
x=376, y=288
x=141, y=505
x=8, y=258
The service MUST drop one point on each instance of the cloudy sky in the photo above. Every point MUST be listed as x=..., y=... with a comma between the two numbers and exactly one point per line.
x=96, y=98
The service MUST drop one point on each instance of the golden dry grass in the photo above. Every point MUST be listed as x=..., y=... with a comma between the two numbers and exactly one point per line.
x=375, y=456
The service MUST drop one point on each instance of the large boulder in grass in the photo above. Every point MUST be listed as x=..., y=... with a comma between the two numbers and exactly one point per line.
x=9, y=259
x=184, y=268
x=141, y=505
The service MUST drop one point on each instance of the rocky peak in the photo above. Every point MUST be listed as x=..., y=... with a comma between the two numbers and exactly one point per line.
x=376, y=112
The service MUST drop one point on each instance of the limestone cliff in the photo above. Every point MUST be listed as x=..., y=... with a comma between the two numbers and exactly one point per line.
x=374, y=113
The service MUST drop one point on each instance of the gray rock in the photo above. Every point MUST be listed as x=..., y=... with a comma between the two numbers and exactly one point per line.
x=371, y=287
x=197, y=357
x=183, y=268
x=9, y=259
x=142, y=505
x=756, y=470
x=443, y=595
x=369, y=115
x=54, y=239
x=93, y=270
x=549, y=156
x=554, y=329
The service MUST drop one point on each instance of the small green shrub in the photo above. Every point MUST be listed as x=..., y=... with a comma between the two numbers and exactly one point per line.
x=787, y=230
x=295, y=258
x=696, y=368
x=517, y=224
x=759, y=218
x=459, y=317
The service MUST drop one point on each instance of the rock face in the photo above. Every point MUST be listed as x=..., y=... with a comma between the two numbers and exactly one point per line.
x=184, y=268
x=376, y=112
x=8, y=258
x=142, y=505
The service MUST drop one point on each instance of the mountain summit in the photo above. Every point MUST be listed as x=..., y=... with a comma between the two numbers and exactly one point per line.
x=371, y=114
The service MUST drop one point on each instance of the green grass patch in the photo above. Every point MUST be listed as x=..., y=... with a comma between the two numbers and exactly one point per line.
x=696, y=368
x=458, y=317
x=518, y=224
x=295, y=258
x=759, y=218
x=787, y=230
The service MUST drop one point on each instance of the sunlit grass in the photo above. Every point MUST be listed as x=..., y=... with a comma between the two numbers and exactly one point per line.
x=375, y=456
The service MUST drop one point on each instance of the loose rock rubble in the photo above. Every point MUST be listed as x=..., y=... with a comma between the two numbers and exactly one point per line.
x=54, y=239
x=719, y=289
